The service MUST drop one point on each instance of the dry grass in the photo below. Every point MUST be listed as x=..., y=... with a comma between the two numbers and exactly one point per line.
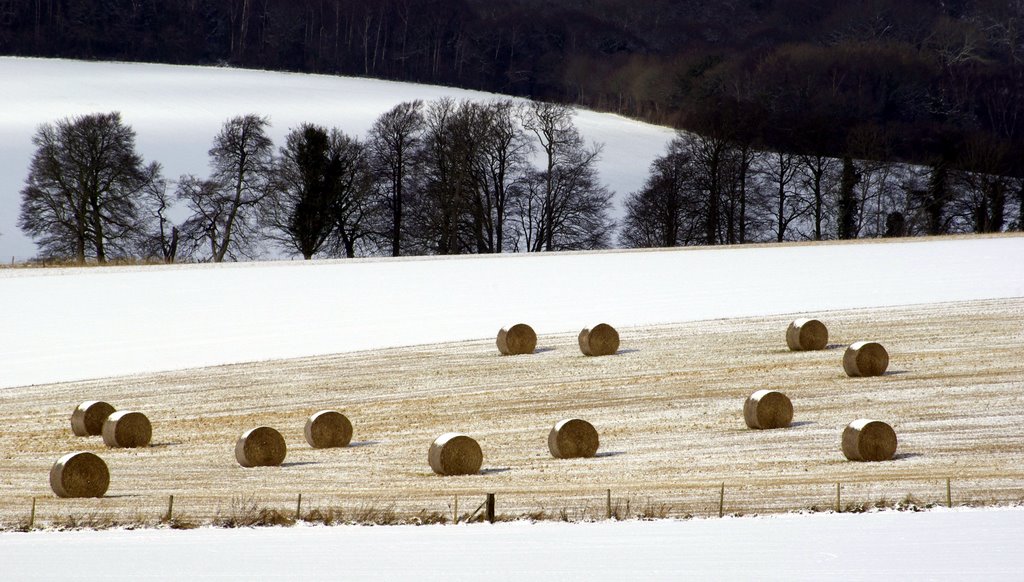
x=670, y=408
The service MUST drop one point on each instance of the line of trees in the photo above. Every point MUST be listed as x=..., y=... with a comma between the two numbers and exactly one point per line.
x=707, y=190
x=446, y=177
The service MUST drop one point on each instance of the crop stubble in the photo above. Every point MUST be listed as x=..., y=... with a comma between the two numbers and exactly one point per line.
x=668, y=407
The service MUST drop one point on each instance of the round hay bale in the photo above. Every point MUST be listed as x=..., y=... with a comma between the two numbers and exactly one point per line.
x=767, y=409
x=516, y=339
x=88, y=418
x=806, y=334
x=327, y=429
x=599, y=340
x=79, y=475
x=127, y=429
x=571, y=438
x=454, y=453
x=865, y=359
x=260, y=447
x=869, y=440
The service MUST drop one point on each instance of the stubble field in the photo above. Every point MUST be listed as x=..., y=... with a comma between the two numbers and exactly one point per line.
x=668, y=408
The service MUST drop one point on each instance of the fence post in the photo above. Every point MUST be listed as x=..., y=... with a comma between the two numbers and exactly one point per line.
x=839, y=503
x=298, y=508
x=608, y=503
x=170, y=509
x=456, y=510
x=490, y=508
x=949, y=494
x=721, y=501
x=32, y=516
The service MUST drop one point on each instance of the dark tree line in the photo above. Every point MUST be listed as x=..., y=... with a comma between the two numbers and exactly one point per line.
x=444, y=177
x=929, y=79
x=708, y=191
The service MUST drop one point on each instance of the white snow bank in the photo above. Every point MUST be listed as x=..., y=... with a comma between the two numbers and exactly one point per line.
x=934, y=545
x=176, y=111
x=70, y=324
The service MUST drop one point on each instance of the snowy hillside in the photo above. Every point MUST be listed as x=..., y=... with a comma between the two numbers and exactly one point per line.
x=176, y=111
x=74, y=324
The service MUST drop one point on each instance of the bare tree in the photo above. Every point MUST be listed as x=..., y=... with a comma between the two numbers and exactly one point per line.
x=451, y=144
x=225, y=207
x=818, y=178
x=779, y=171
x=667, y=211
x=564, y=207
x=500, y=169
x=81, y=197
x=161, y=235
x=393, y=143
x=321, y=186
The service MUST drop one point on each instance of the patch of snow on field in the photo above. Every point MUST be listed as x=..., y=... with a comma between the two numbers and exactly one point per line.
x=177, y=110
x=934, y=545
x=73, y=324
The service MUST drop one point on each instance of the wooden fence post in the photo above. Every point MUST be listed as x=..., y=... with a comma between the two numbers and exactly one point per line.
x=721, y=501
x=170, y=509
x=456, y=510
x=949, y=494
x=490, y=508
x=839, y=503
x=298, y=508
x=32, y=516
x=608, y=503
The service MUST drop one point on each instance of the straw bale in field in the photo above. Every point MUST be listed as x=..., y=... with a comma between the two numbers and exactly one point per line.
x=79, y=475
x=599, y=340
x=327, y=429
x=571, y=438
x=455, y=453
x=260, y=447
x=869, y=440
x=767, y=409
x=88, y=418
x=516, y=339
x=806, y=334
x=127, y=429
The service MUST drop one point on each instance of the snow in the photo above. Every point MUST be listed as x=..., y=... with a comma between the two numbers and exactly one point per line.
x=176, y=111
x=935, y=545
x=75, y=324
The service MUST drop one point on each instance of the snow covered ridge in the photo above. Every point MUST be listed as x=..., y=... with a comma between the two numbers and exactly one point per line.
x=76, y=324
x=177, y=110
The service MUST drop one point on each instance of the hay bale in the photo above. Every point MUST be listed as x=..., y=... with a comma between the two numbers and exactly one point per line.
x=869, y=440
x=260, y=447
x=767, y=409
x=454, y=453
x=88, y=418
x=599, y=340
x=328, y=428
x=865, y=359
x=571, y=438
x=806, y=334
x=79, y=475
x=127, y=429
x=517, y=339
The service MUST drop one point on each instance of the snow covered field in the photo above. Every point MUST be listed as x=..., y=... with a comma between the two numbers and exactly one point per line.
x=935, y=545
x=78, y=324
x=176, y=111
x=75, y=324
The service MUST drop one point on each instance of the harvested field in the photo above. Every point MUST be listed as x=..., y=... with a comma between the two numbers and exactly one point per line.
x=668, y=407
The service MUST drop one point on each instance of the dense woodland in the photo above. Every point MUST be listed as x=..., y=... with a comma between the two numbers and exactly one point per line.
x=811, y=119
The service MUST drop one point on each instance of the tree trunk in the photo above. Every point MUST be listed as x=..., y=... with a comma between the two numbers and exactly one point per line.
x=847, y=200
